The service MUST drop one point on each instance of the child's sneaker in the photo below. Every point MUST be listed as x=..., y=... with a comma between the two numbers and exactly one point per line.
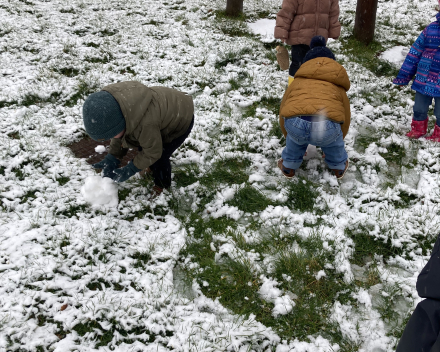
x=289, y=173
x=340, y=173
x=435, y=137
x=418, y=129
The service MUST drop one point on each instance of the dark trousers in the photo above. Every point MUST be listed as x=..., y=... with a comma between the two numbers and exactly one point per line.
x=298, y=53
x=422, y=333
x=162, y=168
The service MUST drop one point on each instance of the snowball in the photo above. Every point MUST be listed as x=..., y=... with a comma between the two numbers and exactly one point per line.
x=100, y=149
x=100, y=191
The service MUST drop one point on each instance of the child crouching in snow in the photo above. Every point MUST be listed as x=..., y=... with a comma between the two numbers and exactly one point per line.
x=154, y=120
x=315, y=110
x=423, y=61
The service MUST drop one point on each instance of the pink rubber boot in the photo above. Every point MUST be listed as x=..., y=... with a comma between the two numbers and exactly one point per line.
x=418, y=129
x=435, y=137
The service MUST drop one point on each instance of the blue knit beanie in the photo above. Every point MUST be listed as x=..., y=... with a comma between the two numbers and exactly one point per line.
x=102, y=116
x=318, y=49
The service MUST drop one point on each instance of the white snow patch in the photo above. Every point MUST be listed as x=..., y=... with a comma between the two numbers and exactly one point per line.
x=269, y=292
x=264, y=27
x=396, y=55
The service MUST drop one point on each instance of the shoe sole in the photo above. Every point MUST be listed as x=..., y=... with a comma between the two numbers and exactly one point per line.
x=345, y=170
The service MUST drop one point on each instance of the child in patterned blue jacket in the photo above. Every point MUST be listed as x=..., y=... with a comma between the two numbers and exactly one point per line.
x=423, y=61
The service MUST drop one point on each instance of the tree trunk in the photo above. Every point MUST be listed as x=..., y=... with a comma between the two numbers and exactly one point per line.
x=365, y=21
x=234, y=8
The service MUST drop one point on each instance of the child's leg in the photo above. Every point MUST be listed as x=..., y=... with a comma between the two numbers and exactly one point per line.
x=419, y=124
x=421, y=106
x=298, y=53
x=436, y=134
x=293, y=153
x=328, y=135
x=437, y=110
x=162, y=168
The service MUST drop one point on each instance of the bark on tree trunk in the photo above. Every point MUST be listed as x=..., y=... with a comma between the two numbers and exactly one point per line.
x=234, y=7
x=365, y=21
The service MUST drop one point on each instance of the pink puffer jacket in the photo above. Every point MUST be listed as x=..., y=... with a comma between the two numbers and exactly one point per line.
x=300, y=20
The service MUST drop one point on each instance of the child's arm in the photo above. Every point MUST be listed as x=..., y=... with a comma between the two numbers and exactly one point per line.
x=116, y=149
x=334, y=28
x=409, y=67
x=285, y=18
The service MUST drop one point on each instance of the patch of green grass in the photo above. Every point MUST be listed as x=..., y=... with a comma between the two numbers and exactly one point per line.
x=92, y=45
x=19, y=173
x=142, y=259
x=14, y=135
x=186, y=175
x=33, y=99
x=5, y=104
x=232, y=57
x=395, y=153
x=315, y=300
x=67, y=71
x=2, y=170
x=367, y=245
x=73, y=210
x=63, y=180
x=82, y=90
x=406, y=199
x=250, y=200
x=68, y=10
x=128, y=69
x=108, y=32
x=302, y=195
x=28, y=196
x=96, y=285
x=230, y=171
x=363, y=141
x=123, y=194
x=270, y=103
x=235, y=283
x=234, y=84
x=368, y=56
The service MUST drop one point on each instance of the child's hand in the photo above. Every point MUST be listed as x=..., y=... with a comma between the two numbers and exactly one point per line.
x=124, y=173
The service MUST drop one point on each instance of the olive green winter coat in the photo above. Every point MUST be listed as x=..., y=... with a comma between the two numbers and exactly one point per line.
x=153, y=116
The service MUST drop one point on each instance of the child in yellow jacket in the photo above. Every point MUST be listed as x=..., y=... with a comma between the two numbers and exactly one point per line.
x=315, y=110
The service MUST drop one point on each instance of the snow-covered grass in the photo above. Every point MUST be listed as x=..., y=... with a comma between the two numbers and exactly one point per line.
x=234, y=257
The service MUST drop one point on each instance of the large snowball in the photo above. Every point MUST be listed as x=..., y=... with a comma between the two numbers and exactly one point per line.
x=99, y=190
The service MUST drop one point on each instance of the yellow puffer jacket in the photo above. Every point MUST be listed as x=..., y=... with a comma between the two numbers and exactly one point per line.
x=319, y=88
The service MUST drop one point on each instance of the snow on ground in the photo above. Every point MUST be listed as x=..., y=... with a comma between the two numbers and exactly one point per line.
x=265, y=28
x=75, y=277
x=395, y=55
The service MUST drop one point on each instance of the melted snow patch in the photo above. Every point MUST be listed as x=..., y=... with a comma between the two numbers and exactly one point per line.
x=99, y=190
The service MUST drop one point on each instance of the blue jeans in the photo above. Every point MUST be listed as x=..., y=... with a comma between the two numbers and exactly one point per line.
x=325, y=134
x=421, y=107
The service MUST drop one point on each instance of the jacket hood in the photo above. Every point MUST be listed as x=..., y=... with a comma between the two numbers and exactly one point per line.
x=325, y=69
